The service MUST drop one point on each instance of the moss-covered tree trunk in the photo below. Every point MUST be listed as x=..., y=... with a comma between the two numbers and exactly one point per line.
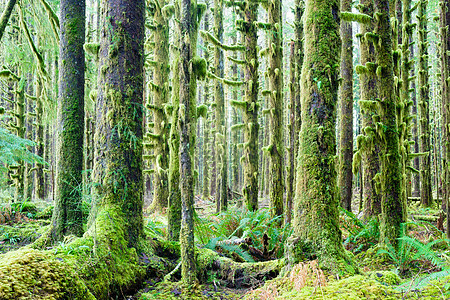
x=404, y=118
x=250, y=104
x=369, y=92
x=119, y=131
x=345, y=175
x=445, y=98
x=186, y=123
x=415, y=132
x=290, y=168
x=206, y=122
x=221, y=138
x=67, y=215
x=296, y=61
x=392, y=207
x=316, y=216
x=19, y=125
x=426, y=196
x=39, y=139
x=276, y=108
x=5, y=16
x=174, y=210
x=160, y=88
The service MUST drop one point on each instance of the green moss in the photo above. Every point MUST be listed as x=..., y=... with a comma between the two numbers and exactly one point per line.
x=31, y=274
x=46, y=213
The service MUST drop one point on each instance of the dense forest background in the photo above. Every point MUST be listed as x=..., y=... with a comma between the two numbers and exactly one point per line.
x=224, y=149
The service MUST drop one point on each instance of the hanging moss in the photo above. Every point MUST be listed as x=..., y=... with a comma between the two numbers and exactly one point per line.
x=161, y=15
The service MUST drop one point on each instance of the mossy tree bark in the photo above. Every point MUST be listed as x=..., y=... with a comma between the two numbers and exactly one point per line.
x=206, y=121
x=221, y=132
x=174, y=210
x=296, y=62
x=187, y=124
x=445, y=98
x=415, y=129
x=39, y=139
x=67, y=215
x=405, y=118
x=392, y=206
x=18, y=123
x=250, y=104
x=316, y=216
x=369, y=92
x=160, y=88
x=426, y=196
x=5, y=16
x=276, y=108
x=119, y=131
x=290, y=168
x=345, y=175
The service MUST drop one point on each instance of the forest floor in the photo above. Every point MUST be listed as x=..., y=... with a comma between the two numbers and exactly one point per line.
x=419, y=269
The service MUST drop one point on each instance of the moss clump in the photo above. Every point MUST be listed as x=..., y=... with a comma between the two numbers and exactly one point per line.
x=31, y=274
x=175, y=290
x=385, y=277
x=307, y=281
x=46, y=213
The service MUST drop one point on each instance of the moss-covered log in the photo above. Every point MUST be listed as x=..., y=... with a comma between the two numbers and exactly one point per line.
x=316, y=223
x=67, y=215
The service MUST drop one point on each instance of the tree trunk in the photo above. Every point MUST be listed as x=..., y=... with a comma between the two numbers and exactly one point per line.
x=160, y=98
x=276, y=137
x=316, y=216
x=39, y=139
x=67, y=215
x=392, y=207
x=174, y=210
x=345, y=175
x=445, y=96
x=186, y=124
x=119, y=130
x=369, y=92
x=221, y=138
x=251, y=106
x=426, y=196
x=5, y=16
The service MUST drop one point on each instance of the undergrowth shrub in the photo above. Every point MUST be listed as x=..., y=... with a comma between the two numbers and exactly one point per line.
x=359, y=235
x=257, y=228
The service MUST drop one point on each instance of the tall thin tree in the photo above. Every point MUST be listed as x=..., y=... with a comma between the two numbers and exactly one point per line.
x=67, y=215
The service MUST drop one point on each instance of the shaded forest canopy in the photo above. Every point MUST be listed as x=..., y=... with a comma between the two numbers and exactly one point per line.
x=158, y=149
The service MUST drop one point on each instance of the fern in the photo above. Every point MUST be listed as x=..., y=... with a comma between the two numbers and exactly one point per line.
x=411, y=249
x=13, y=149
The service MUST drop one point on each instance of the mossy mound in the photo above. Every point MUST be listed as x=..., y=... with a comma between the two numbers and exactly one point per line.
x=46, y=213
x=31, y=274
x=307, y=281
x=175, y=290
x=13, y=237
